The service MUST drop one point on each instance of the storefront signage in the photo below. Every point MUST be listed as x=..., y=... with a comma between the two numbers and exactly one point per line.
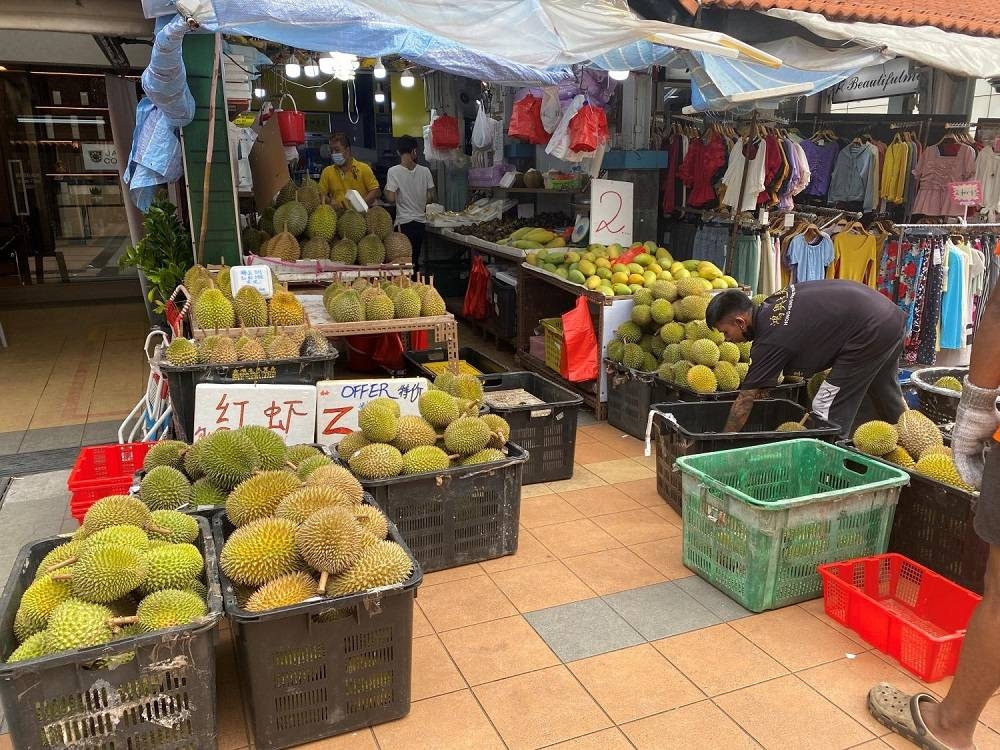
x=966, y=193
x=338, y=401
x=288, y=410
x=889, y=79
x=610, y=212
x=258, y=276
x=99, y=157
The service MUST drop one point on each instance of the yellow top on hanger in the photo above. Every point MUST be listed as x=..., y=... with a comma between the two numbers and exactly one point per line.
x=855, y=257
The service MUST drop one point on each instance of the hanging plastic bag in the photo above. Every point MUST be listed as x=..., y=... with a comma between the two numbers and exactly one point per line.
x=476, y=303
x=559, y=145
x=526, y=121
x=588, y=129
x=578, y=359
x=551, y=109
x=444, y=133
x=430, y=152
x=483, y=131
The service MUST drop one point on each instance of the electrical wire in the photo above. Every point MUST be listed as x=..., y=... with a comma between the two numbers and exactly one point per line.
x=354, y=118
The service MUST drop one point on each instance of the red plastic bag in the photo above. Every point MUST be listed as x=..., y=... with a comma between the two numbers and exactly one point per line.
x=476, y=303
x=444, y=132
x=578, y=359
x=526, y=121
x=588, y=129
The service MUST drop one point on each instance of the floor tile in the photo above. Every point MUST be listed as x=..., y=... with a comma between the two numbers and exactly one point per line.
x=795, y=638
x=635, y=682
x=620, y=470
x=529, y=552
x=600, y=501
x=452, y=574
x=613, y=570
x=540, y=708
x=10, y=441
x=668, y=514
x=712, y=599
x=718, y=659
x=498, y=649
x=47, y=438
x=815, y=608
x=608, y=739
x=592, y=453
x=546, y=510
x=872, y=745
x=421, y=626
x=434, y=673
x=541, y=586
x=582, y=629
x=574, y=538
x=666, y=555
x=100, y=433
x=534, y=490
x=643, y=491
x=646, y=462
x=763, y=710
x=363, y=739
x=700, y=725
x=605, y=432
x=461, y=603
x=581, y=480
x=454, y=721
x=660, y=611
x=637, y=526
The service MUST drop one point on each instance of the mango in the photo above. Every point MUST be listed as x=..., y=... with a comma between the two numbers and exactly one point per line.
x=665, y=276
x=619, y=268
x=593, y=282
x=532, y=259
x=644, y=259
x=587, y=268
x=681, y=273
x=557, y=242
x=571, y=257
x=635, y=288
x=603, y=263
x=731, y=282
x=691, y=265
x=648, y=278
x=604, y=273
x=635, y=268
x=719, y=284
x=576, y=277
x=549, y=267
x=636, y=278
x=607, y=292
x=621, y=289
x=526, y=245
x=560, y=271
x=619, y=277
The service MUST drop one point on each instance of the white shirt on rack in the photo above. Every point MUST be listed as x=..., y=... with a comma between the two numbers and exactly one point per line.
x=734, y=177
x=988, y=174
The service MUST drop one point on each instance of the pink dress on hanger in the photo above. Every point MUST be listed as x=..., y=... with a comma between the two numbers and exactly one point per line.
x=934, y=171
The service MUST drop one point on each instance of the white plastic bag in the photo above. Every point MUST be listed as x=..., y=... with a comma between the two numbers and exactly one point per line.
x=483, y=130
x=559, y=143
x=551, y=109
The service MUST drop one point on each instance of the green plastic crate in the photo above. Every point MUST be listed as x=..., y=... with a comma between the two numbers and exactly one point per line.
x=758, y=520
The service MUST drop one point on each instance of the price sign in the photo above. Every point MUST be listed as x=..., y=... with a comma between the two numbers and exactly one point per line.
x=610, y=212
x=966, y=193
x=338, y=401
x=287, y=410
x=258, y=277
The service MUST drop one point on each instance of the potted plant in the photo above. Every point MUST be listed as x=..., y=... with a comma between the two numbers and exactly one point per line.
x=161, y=257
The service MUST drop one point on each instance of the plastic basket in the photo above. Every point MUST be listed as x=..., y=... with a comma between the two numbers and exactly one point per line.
x=758, y=520
x=182, y=381
x=457, y=516
x=102, y=470
x=790, y=391
x=162, y=699
x=903, y=609
x=940, y=404
x=933, y=526
x=553, y=328
x=630, y=395
x=503, y=307
x=688, y=428
x=547, y=433
x=428, y=362
x=325, y=667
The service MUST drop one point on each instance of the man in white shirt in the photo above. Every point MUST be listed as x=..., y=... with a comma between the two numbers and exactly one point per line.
x=410, y=186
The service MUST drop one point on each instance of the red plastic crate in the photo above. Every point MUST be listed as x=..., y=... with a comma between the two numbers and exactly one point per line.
x=903, y=609
x=102, y=470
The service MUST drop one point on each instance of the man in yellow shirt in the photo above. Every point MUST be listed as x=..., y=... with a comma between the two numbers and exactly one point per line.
x=346, y=173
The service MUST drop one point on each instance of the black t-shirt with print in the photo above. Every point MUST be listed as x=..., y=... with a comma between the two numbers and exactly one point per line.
x=807, y=327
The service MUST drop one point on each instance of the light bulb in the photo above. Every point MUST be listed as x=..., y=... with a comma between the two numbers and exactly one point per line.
x=379, y=97
x=293, y=70
x=321, y=96
x=311, y=68
x=379, y=70
x=618, y=75
x=407, y=80
x=327, y=65
x=259, y=93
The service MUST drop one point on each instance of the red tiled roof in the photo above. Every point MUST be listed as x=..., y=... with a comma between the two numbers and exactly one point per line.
x=974, y=17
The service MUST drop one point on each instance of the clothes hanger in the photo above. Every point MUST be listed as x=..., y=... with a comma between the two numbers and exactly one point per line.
x=856, y=227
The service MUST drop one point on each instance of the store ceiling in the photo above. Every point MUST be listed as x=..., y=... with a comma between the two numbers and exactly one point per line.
x=58, y=48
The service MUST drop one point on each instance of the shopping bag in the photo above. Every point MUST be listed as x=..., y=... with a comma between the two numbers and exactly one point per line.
x=551, y=109
x=588, y=129
x=444, y=132
x=483, y=130
x=526, y=121
x=559, y=145
x=476, y=303
x=578, y=359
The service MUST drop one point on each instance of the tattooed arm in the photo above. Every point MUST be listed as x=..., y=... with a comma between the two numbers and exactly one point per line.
x=742, y=406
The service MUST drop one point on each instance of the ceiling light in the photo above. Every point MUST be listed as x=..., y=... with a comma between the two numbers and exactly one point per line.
x=311, y=68
x=379, y=70
x=407, y=80
x=326, y=65
x=380, y=97
x=292, y=67
x=321, y=96
x=259, y=93
x=618, y=75
x=3, y=69
x=71, y=120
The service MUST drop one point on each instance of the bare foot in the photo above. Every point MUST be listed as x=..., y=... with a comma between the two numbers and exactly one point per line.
x=953, y=738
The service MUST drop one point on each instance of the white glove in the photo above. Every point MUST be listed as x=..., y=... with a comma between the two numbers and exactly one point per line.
x=975, y=423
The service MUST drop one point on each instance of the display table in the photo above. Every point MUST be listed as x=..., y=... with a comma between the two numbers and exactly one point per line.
x=468, y=241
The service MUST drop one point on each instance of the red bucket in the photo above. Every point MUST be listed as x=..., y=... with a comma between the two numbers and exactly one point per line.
x=291, y=123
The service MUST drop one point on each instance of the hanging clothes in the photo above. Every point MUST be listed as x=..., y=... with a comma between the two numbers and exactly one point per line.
x=810, y=259
x=698, y=171
x=853, y=176
x=746, y=260
x=954, y=299
x=775, y=171
x=934, y=171
x=753, y=155
x=855, y=258
x=672, y=146
x=988, y=174
x=892, y=188
x=821, y=157
x=770, y=266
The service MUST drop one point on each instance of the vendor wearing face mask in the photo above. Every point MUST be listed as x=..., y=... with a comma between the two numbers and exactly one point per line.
x=346, y=174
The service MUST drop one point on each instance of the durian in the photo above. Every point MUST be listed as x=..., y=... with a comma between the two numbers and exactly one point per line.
x=165, y=488
x=285, y=591
x=260, y=552
x=376, y=461
x=259, y=496
x=329, y=541
x=380, y=564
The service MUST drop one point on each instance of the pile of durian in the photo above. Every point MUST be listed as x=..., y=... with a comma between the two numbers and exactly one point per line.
x=215, y=307
x=390, y=299
x=299, y=225
x=249, y=347
x=914, y=443
x=449, y=432
x=126, y=571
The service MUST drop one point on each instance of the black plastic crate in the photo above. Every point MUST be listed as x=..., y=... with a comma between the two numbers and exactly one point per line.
x=457, y=516
x=630, y=394
x=416, y=361
x=325, y=667
x=697, y=427
x=785, y=391
x=503, y=307
x=451, y=278
x=933, y=526
x=547, y=433
x=182, y=381
x=161, y=699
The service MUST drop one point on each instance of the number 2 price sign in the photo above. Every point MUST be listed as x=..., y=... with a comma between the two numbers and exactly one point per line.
x=610, y=212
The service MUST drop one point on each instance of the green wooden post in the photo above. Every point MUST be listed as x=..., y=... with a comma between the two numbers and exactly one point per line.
x=221, y=240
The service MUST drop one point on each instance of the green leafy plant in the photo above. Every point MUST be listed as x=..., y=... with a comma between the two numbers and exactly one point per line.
x=163, y=255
